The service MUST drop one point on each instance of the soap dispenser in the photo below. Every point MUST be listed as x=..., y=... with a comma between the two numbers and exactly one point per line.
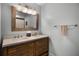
x=28, y=34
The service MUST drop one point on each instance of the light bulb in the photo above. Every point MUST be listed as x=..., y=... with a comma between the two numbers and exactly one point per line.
x=34, y=12
x=24, y=10
x=29, y=11
x=18, y=7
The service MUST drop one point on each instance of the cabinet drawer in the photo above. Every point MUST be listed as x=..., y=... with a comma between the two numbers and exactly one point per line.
x=23, y=49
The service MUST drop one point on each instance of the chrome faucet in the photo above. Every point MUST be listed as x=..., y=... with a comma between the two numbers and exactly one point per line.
x=18, y=36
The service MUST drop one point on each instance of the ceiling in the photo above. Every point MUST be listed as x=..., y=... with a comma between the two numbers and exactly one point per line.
x=40, y=4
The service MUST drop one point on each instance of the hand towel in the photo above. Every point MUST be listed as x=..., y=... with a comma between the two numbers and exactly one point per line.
x=64, y=29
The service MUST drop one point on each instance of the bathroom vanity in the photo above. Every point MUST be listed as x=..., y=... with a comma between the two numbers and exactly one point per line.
x=33, y=45
x=28, y=46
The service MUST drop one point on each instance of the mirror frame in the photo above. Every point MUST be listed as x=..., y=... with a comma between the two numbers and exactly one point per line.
x=13, y=21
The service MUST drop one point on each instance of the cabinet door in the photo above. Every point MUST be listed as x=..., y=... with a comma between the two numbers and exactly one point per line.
x=26, y=50
x=21, y=50
x=41, y=46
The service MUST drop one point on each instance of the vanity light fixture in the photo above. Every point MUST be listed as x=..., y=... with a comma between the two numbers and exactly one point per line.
x=34, y=13
x=18, y=7
x=29, y=11
x=25, y=10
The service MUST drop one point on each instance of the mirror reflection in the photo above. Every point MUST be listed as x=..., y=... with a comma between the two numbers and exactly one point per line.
x=22, y=21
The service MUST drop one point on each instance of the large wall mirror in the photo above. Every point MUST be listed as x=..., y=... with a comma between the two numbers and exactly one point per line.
x=23, y=21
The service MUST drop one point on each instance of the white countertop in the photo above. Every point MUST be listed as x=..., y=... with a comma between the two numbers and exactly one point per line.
x=13, y=41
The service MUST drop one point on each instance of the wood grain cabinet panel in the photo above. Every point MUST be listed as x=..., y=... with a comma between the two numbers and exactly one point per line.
x=41, y=46
x=23, y=49
x=37, y=47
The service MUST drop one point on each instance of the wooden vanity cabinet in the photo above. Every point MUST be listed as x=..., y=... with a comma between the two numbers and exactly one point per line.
x=37, y=47
x=18, y=50
x=41, y=47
